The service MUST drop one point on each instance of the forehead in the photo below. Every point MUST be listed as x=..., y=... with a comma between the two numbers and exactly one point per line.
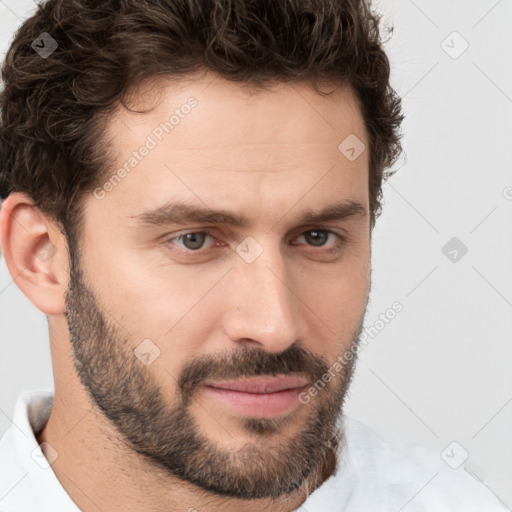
x=209, y=139
x=282, y=112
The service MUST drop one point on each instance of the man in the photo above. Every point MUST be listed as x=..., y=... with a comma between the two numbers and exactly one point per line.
x=201, y=376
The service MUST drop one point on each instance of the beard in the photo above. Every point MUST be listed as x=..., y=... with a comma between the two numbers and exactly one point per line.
x=167, y=435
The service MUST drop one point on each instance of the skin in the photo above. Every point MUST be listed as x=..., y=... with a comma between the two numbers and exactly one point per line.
x=268, y=155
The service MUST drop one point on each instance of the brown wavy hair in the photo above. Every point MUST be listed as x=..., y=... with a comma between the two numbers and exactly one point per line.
x=53, y=109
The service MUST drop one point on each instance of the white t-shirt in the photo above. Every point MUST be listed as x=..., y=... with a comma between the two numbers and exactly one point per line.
x=371, y=476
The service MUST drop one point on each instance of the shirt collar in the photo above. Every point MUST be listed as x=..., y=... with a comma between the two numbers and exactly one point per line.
x=27, y=480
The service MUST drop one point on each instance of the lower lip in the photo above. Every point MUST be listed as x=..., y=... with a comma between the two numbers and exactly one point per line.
x=261, y=405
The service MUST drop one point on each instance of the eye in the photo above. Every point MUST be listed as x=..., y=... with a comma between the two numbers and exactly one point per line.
x=318, y=237
x=192, y=241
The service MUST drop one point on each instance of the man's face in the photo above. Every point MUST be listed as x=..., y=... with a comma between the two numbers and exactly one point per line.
x=198, y=347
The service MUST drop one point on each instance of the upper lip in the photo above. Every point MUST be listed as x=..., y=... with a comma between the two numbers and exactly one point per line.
x=261, y=385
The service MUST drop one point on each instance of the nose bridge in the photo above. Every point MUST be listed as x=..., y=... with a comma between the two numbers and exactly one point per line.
x=263, y=308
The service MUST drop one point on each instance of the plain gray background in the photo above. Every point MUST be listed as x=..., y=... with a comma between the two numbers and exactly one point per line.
x=439, y=372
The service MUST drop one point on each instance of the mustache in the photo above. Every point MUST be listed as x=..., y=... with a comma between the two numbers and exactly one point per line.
x=249, y=363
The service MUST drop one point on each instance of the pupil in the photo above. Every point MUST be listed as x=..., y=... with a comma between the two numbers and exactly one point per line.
x=192, y=237
x=317, y=236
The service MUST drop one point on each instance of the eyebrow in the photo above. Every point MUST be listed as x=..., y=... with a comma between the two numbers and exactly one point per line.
x=182, y=213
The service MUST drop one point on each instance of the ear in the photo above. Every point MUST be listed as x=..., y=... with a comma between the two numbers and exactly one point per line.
x=35, y=252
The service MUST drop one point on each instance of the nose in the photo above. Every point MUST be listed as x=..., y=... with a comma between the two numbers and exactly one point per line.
x=264, y=307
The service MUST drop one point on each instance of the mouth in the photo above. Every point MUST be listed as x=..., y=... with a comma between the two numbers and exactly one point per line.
x=262, y=397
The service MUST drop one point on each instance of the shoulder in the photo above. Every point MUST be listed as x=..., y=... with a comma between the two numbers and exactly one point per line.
x=375, y=475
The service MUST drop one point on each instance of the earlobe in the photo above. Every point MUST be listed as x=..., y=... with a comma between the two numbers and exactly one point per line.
x=35, y=253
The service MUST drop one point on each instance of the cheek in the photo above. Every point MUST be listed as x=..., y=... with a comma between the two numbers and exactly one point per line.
x=142, y=291
x=166, y=304
x=338, y=304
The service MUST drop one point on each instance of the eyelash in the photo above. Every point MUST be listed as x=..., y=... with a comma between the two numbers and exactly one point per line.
x=341, y=239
